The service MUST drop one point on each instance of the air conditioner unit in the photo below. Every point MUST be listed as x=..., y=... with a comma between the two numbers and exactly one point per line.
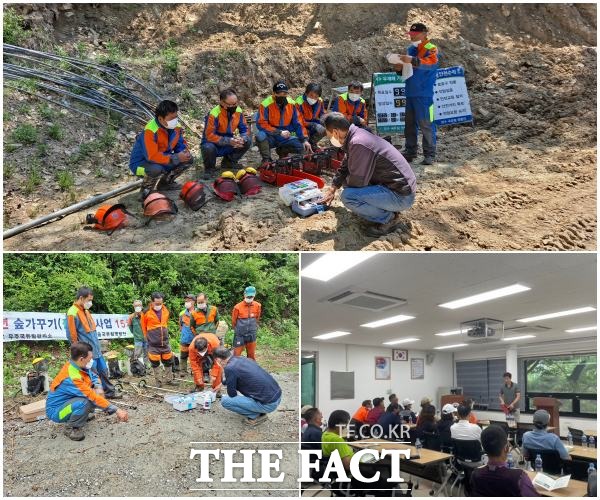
x=483, y=330
x=364, y=299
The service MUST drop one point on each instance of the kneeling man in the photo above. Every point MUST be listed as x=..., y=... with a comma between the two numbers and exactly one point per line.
x=251, y=391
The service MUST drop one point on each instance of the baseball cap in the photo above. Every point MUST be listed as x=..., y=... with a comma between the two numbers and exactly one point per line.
x=406, y=402
x=541, y=417
x=304, y=409
x=280, y=87
x=250, y=291
x=448, y=408
x=417, y=28
x=425, y=400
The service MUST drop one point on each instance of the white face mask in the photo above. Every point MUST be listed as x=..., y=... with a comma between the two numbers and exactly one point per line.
x=137, y=309
x=203, y=352
x=354, y=97
x=249, y=300
x=202, y=306
x=89, y=364
x=415, y=44
x=87, y=304
x=311, y=101
x=189, y=305
x=171, y=124
x=334, y=142
x=157, y=308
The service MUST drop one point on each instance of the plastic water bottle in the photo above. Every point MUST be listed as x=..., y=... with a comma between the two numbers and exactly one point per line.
x=592, y=442
x=510, y=460
x=570, y=439
x=591, y=468
x=538, y=463
x=418, y=446
x=207, y=402
x=584, y=441
x=484, y=459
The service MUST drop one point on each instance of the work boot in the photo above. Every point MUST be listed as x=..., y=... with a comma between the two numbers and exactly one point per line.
x=157, y=375
x=379, y=230
x=148, y=184
x=170, y=376
x=183, y=368
x=255, y=421
x=428, y=160
x=408, y=156
x=265, y=150
x=91, y=417
x=209, y=173
x=227, y=164
x=74, y=433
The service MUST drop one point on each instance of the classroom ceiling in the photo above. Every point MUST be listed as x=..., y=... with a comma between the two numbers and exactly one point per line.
x=558, y=282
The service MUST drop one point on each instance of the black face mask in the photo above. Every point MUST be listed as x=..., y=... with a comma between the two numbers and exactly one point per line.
x=281, y=101
x=231, y=109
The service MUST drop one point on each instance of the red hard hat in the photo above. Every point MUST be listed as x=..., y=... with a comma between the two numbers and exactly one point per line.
x=193, y=194
x=108, y=217
x=225, y=188
x=250, y=184
x=158, y=205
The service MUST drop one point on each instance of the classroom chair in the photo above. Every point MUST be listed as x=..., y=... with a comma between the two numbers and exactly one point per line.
x=432, y=441
x=551, y=461
x=467, y=457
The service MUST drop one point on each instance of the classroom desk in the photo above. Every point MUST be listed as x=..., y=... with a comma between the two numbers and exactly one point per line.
x=483, y=423
x=427, y=457
x=581, y=452
x=575, y=488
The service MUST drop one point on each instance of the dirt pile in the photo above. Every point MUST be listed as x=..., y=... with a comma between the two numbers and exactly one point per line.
x=524, y=177
x=148, y=456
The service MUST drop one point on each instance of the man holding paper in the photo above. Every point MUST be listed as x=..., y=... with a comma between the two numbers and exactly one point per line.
x=422, y=55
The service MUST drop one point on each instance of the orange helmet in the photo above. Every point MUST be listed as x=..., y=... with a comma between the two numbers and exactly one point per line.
x=193, y=194
x=250, y=183
x=108, y=218
x=225, y=188
x=157, y=205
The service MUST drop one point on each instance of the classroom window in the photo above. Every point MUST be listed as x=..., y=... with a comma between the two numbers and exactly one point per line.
x=308, y=376
x=570, y=379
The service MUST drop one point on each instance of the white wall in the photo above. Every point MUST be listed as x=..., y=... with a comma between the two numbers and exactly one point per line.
x=361, y=360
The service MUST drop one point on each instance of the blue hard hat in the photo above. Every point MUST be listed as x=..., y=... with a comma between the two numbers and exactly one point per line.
x=250, y=291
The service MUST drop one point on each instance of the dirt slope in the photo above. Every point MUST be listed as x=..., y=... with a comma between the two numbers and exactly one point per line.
x=524, y=177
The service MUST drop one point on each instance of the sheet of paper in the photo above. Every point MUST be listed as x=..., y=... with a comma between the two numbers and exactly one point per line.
x=549, y=483
x=407, y=69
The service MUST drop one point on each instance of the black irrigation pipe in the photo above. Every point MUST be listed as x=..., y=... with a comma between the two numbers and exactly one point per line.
x=57, y=103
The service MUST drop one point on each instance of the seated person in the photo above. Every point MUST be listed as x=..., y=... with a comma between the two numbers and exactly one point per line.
x=376, y=412
x=280, y=126
x=76, y=392
x=363, y=411
x=444, y=424
x=426, y=422
x=540, y=439
x=425, y=401
x=390, y=422
x=393, y=400
x=311, y=109
x=160, y=153
x=407, y=414
x=352, y=105
x=472, y=416
x=226, y=134
x=311, y=437
x=463, y=429
x=495, y=479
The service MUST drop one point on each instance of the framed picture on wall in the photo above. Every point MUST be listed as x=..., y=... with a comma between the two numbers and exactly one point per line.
x=399, y=355
x=417, y=368
x=382, y=368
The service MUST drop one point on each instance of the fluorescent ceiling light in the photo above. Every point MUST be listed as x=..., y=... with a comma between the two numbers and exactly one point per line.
x=558, y=314
x=519, y=337
x=584, y=329
x=334, y=263
x=401, y=341
x=387, y=321
x=331, y=335
x=308, y=356
x=449, y=346
x=447, y=334
x=485, y=296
